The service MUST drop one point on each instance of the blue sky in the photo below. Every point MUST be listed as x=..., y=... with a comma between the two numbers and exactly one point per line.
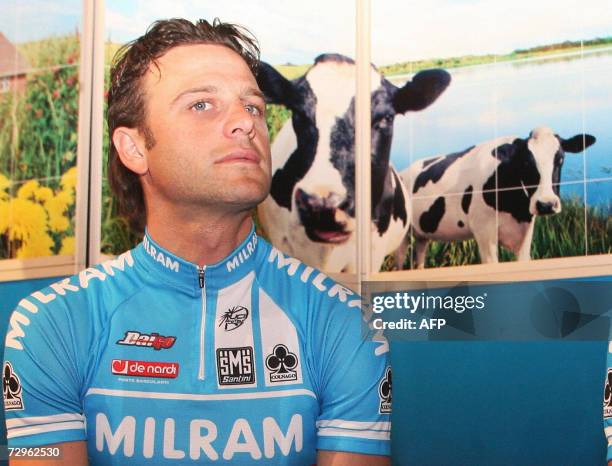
x=297, y=31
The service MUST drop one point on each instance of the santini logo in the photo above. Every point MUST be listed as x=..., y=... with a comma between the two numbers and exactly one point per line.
x=235, y=366
x=234, y=318
x=166, y=370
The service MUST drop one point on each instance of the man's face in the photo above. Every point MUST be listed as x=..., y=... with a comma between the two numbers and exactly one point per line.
x=206, y=114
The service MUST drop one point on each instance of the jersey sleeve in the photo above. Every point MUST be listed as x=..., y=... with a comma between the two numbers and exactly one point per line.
x=355, y=390
x=607, y=403
x=42, y=377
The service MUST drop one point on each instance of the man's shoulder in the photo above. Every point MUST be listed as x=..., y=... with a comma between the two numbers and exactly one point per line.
x=107, y=283
x=289, y=277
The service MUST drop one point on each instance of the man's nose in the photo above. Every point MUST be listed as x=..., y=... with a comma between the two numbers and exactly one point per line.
x=240, y=122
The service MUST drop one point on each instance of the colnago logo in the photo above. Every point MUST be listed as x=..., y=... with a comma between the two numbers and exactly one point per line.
x=160, y=256
x=242, y=255
x=11, y=386
x=153, y=340
x=26, y=306
x=202, y=442
x=607, y=402
x=282, y=364
x=384, y=392
x=165, y=370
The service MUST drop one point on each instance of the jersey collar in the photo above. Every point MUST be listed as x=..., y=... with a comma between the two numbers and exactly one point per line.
x=175, y=271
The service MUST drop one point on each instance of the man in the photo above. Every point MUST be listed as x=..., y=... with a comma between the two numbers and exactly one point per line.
x=204, y=343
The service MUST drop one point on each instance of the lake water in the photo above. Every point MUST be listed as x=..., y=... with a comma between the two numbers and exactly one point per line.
x=571, y=94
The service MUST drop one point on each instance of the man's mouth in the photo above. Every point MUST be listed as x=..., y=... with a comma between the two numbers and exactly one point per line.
x=240, y=156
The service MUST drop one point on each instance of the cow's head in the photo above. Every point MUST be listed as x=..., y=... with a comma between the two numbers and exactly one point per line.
x=534, y=165
x=317, y=182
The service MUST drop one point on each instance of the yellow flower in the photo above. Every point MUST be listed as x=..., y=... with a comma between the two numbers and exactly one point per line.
x=27, y=189
x=4, y=216
x=43, y=194
x=38, y=245
x=5, y=183
x=69, y=180
x=26, y=219
x=67, y=246
x=59, y=203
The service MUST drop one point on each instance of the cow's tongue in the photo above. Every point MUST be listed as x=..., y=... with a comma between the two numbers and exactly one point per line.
x=332, y=236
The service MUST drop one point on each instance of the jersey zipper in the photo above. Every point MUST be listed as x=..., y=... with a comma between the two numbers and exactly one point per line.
x=202, y=283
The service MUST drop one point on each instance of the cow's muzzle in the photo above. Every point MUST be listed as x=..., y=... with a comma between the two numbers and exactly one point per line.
x=547, y=208
x=323, y=218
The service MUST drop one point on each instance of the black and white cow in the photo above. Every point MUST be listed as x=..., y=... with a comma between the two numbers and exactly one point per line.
x=490, y=192
x=310, y=213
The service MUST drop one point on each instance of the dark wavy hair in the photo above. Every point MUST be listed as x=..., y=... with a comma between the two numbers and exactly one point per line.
x=126, y=98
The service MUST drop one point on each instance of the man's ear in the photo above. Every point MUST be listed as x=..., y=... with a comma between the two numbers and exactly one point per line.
x=130, y=146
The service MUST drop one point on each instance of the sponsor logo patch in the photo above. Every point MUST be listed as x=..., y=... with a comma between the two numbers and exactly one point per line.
x=384, y=392
x=153, y=340
x=233, y=318
x=282, y=364
x=607, y=401
x=165, y=370
x=11, y=386
x=235, y=366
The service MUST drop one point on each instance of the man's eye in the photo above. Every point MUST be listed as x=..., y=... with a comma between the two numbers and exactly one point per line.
x=254, y=109
x=201, y=106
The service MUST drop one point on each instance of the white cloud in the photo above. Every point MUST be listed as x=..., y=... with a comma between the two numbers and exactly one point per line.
x=441, y=28
x=291, y=31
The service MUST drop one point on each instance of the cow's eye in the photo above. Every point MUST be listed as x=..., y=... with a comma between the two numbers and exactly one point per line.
x=201, y=106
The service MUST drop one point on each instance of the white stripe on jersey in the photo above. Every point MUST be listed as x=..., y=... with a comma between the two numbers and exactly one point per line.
x=369, y=434
x=40, y=429
x=197, y=397
x=355, y=425
x=34, y=420
x=608, y=431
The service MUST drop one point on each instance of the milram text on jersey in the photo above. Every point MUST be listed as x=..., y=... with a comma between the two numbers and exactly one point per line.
x=258, y=359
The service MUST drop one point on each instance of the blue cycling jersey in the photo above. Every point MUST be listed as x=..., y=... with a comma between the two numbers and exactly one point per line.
x=258, y=359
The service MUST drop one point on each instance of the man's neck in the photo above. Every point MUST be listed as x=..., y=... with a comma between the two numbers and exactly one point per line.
x=201, y=240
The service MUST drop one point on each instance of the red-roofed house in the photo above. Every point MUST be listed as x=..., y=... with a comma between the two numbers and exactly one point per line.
x=13, y=67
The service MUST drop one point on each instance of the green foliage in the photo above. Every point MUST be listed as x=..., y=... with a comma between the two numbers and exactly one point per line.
x=38, y=129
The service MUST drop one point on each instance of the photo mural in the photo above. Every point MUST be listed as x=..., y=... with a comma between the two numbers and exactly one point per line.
x=39, y=94
x=514, y=161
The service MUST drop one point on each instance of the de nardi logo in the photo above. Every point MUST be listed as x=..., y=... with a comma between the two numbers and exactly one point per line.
x=282, y=364
x=164, y=370
x=11, y=386
x=384, y=392
x=233, y=318
x=607, y=403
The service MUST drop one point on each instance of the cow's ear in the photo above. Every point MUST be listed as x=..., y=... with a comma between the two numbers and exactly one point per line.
x=276, y=88
x=505, y=152
x=422, y=91
x=577, y=143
